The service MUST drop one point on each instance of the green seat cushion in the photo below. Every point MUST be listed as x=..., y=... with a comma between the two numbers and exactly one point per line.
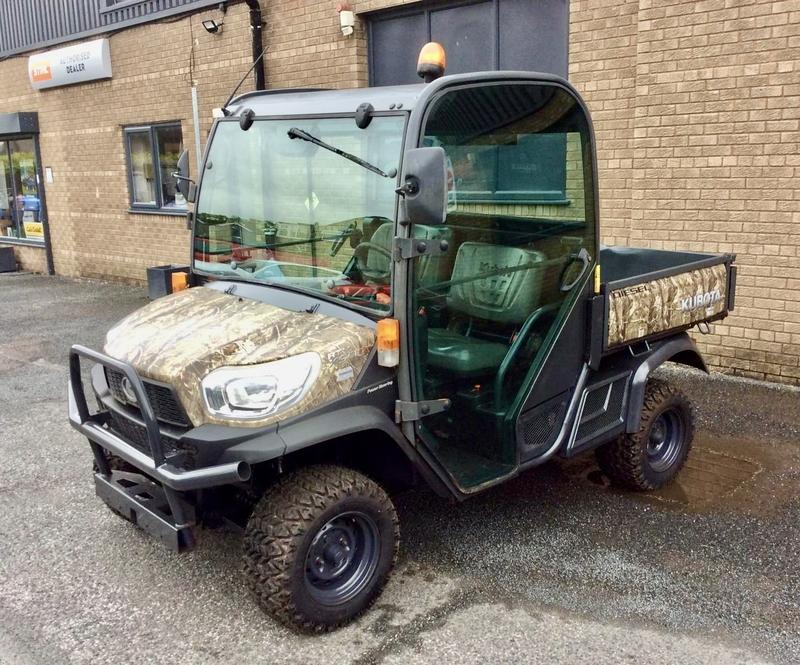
x=467, y=356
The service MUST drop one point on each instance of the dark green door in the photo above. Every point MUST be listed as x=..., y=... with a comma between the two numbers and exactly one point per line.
x=521, y=234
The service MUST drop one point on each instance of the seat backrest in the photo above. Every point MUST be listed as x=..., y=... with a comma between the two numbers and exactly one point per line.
x=504, y=297
x=431, y=269
x=382, y=237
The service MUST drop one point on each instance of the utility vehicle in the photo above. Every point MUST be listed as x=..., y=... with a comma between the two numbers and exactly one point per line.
x=388, y=286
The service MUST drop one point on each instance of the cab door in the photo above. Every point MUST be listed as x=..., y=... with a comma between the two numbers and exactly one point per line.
x=486, y=317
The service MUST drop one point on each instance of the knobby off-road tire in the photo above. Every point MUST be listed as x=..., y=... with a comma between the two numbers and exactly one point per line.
x=652, y=456
x=319, y=547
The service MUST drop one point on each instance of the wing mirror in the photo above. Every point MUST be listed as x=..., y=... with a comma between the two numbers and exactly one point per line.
x=424, y=188
x=184, y=183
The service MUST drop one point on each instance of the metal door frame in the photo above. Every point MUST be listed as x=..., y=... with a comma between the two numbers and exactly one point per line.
x=402, y=289
x=426, y=10
x=43, y=216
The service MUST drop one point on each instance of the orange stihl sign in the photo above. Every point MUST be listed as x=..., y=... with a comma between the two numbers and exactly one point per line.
x=86, y=61
x=41, y=71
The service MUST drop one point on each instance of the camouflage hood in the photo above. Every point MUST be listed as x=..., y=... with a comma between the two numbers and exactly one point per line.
x=181, y=338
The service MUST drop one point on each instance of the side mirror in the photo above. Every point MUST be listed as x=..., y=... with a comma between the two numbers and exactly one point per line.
x=184, y=183
x=424, y=188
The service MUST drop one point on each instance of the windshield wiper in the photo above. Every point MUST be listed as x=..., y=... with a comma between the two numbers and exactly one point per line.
x=295, y=133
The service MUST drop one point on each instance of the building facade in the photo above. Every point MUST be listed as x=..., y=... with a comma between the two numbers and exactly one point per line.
x=696, y=108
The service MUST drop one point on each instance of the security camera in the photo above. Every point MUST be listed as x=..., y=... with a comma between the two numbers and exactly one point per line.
x=212, y=27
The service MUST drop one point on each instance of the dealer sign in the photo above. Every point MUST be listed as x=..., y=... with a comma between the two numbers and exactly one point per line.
x=87, y=61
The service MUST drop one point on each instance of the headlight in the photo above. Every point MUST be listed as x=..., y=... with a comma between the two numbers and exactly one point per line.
x=256, y=391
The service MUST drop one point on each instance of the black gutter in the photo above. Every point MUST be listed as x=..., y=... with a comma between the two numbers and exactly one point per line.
x=256, y=27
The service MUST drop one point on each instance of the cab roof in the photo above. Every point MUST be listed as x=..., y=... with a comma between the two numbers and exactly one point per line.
x=292, y=102
x=309, y=101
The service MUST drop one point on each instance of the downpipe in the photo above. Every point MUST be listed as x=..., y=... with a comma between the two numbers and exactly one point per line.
x=256, y=29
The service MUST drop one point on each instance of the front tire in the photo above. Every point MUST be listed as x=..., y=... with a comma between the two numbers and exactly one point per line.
x=652, y=456
x=319, y=547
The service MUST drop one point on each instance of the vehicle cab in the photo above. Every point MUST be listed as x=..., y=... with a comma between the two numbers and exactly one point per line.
x=477, y=277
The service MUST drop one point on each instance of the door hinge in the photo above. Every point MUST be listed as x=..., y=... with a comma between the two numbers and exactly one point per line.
x=408, y=411
x=408, y=248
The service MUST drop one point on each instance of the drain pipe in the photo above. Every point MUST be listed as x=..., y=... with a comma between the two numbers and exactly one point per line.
x=256, y=28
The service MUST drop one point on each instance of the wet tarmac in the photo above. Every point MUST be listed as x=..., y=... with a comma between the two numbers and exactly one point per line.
x=720, y=474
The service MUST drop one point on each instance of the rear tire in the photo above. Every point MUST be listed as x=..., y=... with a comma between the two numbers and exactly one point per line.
x=319, y=547
x=652, y=456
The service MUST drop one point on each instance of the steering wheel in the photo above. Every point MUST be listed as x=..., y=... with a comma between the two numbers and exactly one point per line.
x=360, y=255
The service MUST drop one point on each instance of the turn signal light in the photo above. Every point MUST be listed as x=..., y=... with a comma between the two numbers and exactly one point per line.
x=388, y=342
x=180, y=281
x=432, y=61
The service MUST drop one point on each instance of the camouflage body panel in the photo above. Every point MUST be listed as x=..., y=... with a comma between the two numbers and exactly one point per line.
x=670, y=302
x=180, y=338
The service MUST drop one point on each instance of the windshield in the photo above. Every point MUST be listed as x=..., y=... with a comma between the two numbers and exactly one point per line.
x=278, y=210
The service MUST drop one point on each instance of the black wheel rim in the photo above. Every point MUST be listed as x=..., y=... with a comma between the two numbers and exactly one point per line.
x=665, y=440
x=342, y=558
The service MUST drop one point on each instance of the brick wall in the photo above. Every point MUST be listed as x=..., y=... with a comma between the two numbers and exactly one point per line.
x=30, y=259
x=696, y=108
x=697, y=111
x=81, y=139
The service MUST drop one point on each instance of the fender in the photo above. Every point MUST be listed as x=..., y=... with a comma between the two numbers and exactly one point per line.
x=318, y=429
x=332, y=425
x=680, y=349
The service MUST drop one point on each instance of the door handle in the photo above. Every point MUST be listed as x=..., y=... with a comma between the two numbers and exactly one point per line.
x=585, y=259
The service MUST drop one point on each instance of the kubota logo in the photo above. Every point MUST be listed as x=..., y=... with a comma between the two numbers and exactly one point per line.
x=41, y=71
x=127, y=390
x=700, y=300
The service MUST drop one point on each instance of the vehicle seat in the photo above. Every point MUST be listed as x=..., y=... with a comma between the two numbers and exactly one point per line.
x=433, y=268
x=491, y=303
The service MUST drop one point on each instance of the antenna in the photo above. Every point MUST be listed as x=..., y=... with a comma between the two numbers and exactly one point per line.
x=241, y=80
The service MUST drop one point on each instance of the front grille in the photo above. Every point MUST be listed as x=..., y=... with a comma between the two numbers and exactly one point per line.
x=136, y=435
x=162, y=398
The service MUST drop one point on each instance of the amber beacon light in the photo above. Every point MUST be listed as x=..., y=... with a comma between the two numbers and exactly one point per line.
x=432, y=61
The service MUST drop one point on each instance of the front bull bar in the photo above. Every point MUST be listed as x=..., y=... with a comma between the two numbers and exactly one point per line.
x=177, y=531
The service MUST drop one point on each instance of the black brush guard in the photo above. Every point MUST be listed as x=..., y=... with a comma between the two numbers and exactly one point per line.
x=154, y=499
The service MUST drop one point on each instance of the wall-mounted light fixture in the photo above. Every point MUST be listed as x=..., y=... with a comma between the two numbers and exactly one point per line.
x=347, y=19
x=212, y=27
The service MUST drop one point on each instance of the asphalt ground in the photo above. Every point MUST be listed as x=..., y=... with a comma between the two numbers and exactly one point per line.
x=553, y=567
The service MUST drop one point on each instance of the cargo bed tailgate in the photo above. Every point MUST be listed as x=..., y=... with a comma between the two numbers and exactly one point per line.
x=679, y=290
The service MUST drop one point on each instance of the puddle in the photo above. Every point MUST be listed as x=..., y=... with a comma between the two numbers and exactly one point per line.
x=707, y=476
x=733, y=474
x=18, y=354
